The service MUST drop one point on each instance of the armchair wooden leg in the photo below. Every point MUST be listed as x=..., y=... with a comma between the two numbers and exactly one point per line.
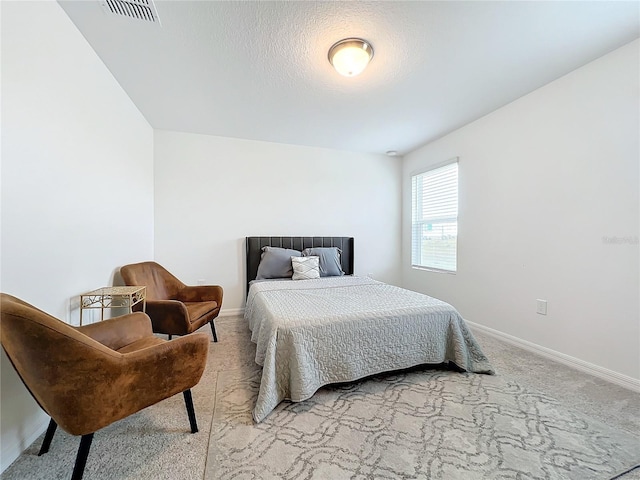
x=46, y=443
x=213, y=330
x=81, y=458
x=188, y=400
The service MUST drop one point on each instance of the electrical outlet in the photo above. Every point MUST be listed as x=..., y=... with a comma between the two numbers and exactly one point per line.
x=541, y=307
x=202, y=281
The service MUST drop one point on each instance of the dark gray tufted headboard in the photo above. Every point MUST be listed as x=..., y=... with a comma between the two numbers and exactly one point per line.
x=255, y=244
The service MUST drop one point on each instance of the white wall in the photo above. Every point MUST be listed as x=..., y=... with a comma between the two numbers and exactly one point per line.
x=542, y=182
x=212, y=192
x=77, y=182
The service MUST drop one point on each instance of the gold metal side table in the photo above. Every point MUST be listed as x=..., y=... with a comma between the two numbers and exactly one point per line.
x=113, y=297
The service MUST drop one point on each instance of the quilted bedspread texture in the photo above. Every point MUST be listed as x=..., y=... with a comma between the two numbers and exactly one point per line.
x=311, y=333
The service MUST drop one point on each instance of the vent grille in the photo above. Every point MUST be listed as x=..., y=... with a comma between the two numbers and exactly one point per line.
x=137, y=9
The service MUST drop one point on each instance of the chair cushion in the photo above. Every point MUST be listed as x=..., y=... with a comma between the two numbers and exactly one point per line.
x=140, y=344
x=199, y=309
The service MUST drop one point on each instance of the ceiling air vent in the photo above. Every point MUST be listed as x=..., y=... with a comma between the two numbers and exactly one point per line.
x=136, y=9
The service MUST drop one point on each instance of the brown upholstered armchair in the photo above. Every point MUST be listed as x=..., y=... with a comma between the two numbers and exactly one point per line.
x=88, y=377
x=174, y=308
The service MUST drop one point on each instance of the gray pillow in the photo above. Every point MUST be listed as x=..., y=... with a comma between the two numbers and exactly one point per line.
x=329, y=260
x=276, y=263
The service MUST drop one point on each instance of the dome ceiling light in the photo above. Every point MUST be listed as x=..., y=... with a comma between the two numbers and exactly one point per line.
x=350, y=56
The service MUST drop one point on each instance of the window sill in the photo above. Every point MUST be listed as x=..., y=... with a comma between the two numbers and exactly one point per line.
x=433, y=270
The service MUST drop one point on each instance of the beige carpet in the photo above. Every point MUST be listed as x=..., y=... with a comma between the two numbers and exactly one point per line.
x=427, y=423
x=153, y=444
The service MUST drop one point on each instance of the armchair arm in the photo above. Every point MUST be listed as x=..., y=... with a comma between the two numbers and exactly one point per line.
x=175, y=365
x=119, y=331
x=201, y=293
x=168, y=316
x=104, y=389
x=163, y=370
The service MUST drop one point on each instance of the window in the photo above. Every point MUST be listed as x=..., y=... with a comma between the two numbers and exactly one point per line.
x=434, y=218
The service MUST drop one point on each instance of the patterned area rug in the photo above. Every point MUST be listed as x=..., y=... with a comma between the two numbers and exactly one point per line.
x=425, y=423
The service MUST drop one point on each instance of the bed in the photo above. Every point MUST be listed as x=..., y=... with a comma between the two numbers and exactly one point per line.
x=314, y=332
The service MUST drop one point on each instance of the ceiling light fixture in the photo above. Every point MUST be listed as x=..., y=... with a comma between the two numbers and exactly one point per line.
x=350, y=56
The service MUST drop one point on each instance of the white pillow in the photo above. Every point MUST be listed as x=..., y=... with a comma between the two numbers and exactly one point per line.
x=305, y=268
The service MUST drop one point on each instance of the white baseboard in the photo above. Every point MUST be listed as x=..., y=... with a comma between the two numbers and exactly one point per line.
x=231, y=312
x=595, y=370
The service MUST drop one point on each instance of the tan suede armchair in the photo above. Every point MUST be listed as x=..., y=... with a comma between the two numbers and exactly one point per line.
x=86, y=378
x=174, y=308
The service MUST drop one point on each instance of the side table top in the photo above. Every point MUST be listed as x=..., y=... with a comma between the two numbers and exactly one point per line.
x=105, y=291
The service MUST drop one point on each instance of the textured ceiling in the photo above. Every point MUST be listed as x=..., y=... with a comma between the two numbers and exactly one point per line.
x=259, y=70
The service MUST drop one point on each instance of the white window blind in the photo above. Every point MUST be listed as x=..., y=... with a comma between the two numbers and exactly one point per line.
x=434, y=218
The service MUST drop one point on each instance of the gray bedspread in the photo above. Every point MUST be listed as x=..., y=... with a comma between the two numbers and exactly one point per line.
x=311, y=333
